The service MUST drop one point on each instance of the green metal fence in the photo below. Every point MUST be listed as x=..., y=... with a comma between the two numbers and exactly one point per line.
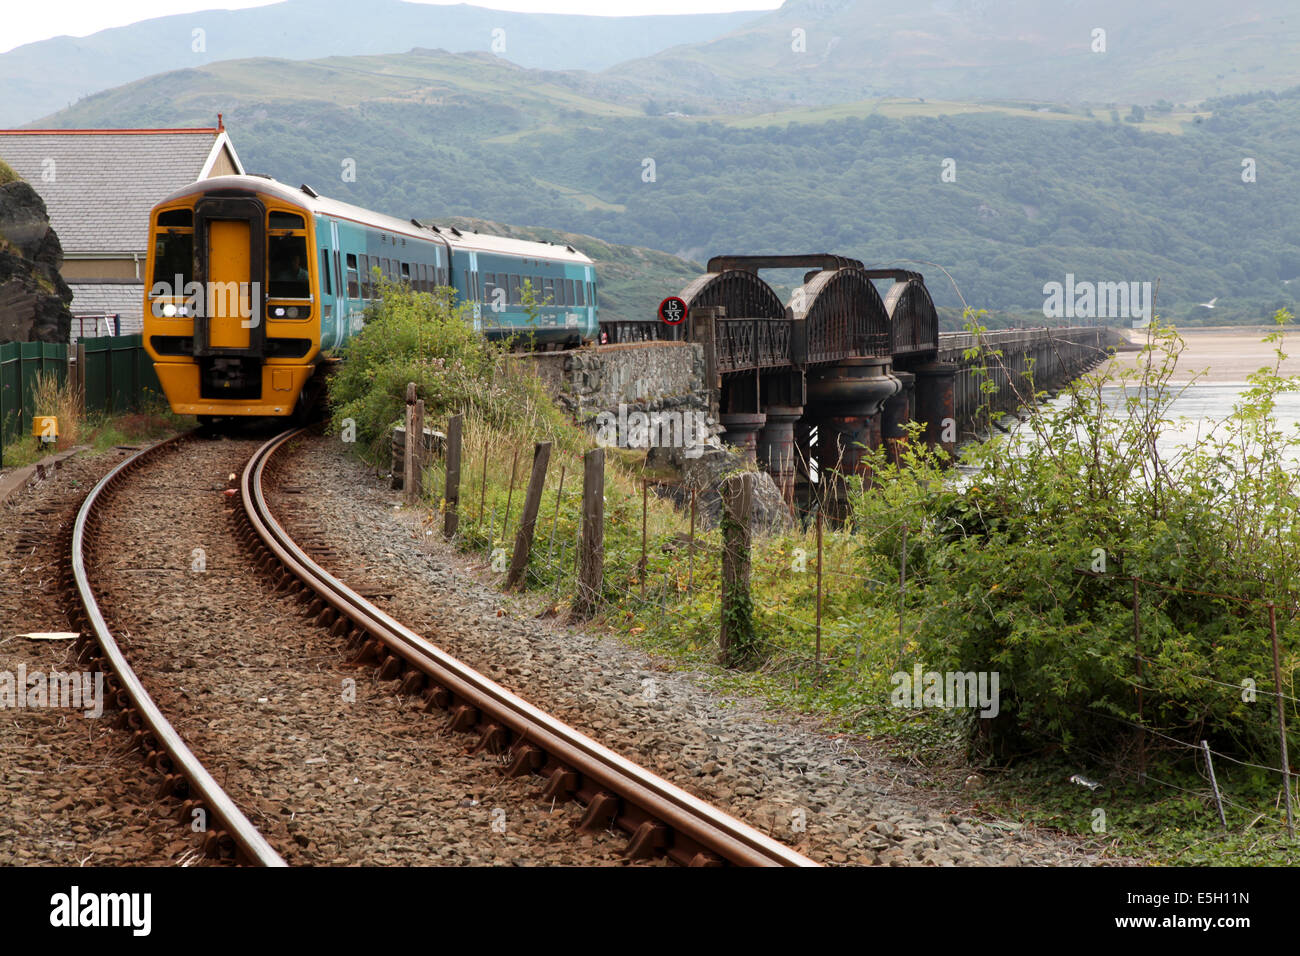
x=115, y=373
x=118, y=374
x=20, y=363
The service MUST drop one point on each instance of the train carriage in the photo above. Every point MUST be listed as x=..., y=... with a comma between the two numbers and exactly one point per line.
x=254, y=286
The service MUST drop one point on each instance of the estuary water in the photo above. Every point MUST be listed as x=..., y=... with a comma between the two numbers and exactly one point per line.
x=1210, y=377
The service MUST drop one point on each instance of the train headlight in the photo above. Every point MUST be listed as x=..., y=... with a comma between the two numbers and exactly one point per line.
x=169, y=310
x=293, y=312
x=279, y=312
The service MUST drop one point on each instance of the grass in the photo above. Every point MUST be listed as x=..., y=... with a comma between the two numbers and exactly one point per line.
x=99, y=430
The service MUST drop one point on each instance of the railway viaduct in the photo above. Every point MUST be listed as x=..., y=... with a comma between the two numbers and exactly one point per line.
x=841, y=367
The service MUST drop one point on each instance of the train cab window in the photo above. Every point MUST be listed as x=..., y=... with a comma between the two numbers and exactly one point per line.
x=354, y=287
x=176, y=217
x=287, y=261
x=287, y=265
x=173, y=255
x=326, y=284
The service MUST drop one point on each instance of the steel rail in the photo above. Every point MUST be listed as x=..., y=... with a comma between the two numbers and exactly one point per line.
x=657, y=803
x=202, y=785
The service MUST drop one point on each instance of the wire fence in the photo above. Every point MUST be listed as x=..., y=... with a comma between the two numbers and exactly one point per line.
x=644, y=580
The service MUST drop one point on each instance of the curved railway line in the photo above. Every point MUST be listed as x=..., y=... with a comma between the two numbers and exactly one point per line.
x=659, y=819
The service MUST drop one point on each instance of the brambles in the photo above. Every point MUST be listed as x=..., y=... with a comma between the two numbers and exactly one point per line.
x=1010, y=583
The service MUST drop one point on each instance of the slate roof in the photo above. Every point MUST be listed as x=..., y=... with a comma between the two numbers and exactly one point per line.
x=122, y=298
x=106, y=181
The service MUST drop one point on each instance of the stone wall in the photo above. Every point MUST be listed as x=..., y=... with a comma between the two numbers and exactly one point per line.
x=644, y=376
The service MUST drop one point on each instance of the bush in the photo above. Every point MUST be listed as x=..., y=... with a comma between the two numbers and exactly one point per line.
x=428, y=339
x=1028, y=570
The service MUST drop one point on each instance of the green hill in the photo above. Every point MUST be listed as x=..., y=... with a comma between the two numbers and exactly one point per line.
x=37, y=78
x=814, y=52
x=1041, y=191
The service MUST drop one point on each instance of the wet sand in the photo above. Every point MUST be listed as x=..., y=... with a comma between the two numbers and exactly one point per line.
x=1222, y=356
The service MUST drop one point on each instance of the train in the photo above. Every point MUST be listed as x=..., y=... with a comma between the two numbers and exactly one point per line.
x=255, y=289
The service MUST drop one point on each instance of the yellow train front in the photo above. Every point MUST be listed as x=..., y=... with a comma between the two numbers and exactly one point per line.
x=232, y=313
x=255, y=285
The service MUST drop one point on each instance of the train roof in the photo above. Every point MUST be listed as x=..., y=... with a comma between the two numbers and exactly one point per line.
x=458, y=238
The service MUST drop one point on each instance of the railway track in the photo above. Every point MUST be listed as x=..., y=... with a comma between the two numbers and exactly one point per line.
x=660, y=820
x=658, y=817
x=229, y=831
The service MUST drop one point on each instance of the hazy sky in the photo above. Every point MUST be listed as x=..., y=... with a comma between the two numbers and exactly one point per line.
x=30, y=21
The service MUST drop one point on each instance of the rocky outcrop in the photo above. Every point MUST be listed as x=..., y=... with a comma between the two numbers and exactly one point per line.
x=34, y=298
x=705, y=473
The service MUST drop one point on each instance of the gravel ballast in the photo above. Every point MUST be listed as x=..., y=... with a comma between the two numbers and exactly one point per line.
x=330, y=764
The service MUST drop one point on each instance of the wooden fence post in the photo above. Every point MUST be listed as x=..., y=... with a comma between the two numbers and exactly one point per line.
x=451, y=519
x=414, y=438
x=818, y=657
x=737, y=636
x=645, y=495
x=528, y=523
x=591, y=562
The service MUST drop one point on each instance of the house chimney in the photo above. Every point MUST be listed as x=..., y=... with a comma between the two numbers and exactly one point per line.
x=220, y=124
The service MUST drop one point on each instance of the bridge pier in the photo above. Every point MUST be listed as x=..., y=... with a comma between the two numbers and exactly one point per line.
x=742, y=432
x=898, y=411
x=845, y=401
x=936, y=404
x=776, y=447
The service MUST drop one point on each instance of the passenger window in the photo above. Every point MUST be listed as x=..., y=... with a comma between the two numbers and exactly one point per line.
x=513, y=292
x=325, y=271
x=577, y=286
x=354, y=288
